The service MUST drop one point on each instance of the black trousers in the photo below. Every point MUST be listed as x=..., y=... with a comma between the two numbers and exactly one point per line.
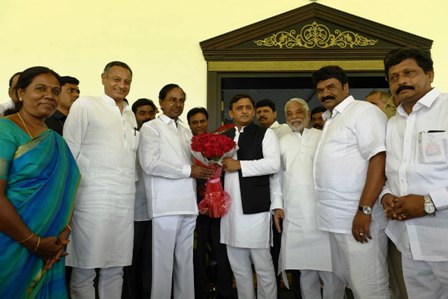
x=208, y=234
x=137, y=277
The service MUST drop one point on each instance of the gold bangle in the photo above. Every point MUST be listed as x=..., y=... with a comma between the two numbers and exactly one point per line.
x=26, y=239
x=38, y=243
x=69, y=228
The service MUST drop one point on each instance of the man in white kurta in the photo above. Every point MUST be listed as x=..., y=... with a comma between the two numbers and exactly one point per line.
x=247, y=235
x=165, y=158
x=304, y=246
x=349, y=176
x=102, y=137
x=415, y=197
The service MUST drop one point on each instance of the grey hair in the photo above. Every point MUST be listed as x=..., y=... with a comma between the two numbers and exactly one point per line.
x=300, y=101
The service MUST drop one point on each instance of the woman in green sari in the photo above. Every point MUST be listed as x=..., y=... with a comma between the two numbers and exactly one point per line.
x=38, y=181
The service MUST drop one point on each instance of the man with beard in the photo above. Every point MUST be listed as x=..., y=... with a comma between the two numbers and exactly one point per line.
x=137, y=277
x=69, y=94
x=349, y=176
x=415, y=197
x=304, y=246
x=144, y=110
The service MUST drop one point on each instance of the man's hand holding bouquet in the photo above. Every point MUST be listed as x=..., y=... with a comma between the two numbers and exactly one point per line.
x=209, y=149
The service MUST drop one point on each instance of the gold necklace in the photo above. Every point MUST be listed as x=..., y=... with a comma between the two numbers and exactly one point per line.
x=26, y=128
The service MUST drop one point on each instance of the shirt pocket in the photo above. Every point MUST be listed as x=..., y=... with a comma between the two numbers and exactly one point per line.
x=337, y=143
x=131, y=138
x=432, y=147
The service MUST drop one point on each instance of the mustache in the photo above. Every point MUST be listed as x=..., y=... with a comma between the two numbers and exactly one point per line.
x=295, y=120
x=404, y=87
x=327, y=98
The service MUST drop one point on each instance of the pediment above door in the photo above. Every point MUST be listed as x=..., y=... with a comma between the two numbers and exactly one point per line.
x=296, y=43
x=311, y=32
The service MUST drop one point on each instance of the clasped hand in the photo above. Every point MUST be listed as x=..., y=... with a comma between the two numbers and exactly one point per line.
x=404, y=207
x=51, y=249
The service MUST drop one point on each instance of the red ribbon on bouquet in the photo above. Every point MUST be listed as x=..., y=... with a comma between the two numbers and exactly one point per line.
x=216, y=201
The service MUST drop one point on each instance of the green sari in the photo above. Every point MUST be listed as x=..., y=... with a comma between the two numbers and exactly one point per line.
x=42, y=178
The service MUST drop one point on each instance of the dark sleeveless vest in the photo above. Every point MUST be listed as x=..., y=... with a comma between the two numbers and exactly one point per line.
x=255, y=192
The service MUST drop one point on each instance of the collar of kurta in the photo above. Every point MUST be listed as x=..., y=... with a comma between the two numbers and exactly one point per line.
x=426, y=101
x=243, y=128
x=274, y=125
x=340, y=108
x=111, y=102
x=169, y=121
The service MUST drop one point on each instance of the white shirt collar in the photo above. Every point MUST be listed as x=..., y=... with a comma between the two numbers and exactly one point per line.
x=111, y=102
x=274, y=125
x=426, y=101
x=340, y=108
x=168, y=120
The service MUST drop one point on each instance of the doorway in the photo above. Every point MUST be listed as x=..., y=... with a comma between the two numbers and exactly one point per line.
x=282, y=87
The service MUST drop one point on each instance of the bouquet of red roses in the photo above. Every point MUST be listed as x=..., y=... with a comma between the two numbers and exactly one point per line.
x=209, y=149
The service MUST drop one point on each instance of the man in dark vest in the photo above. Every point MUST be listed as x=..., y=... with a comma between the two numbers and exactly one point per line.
x=245, y=229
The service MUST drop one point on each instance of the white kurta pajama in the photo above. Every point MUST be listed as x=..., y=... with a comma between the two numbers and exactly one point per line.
x=417, y=163
x=165, y=157
x=250, y=231
x=103, y=141
x=304, y=246
x=354, y=132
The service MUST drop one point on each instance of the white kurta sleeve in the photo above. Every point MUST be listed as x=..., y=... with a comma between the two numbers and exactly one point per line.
x=276, y=190
x=371, y=132
x=386, y=189
x=269, y=164
x=440, y=198
x=153, y=162
x=75, y=126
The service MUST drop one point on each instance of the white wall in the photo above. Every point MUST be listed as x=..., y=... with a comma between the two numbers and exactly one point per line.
x=160, y=40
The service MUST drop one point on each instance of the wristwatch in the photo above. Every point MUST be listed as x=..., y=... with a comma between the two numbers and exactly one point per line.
x=365, y=209
x=430, y=209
